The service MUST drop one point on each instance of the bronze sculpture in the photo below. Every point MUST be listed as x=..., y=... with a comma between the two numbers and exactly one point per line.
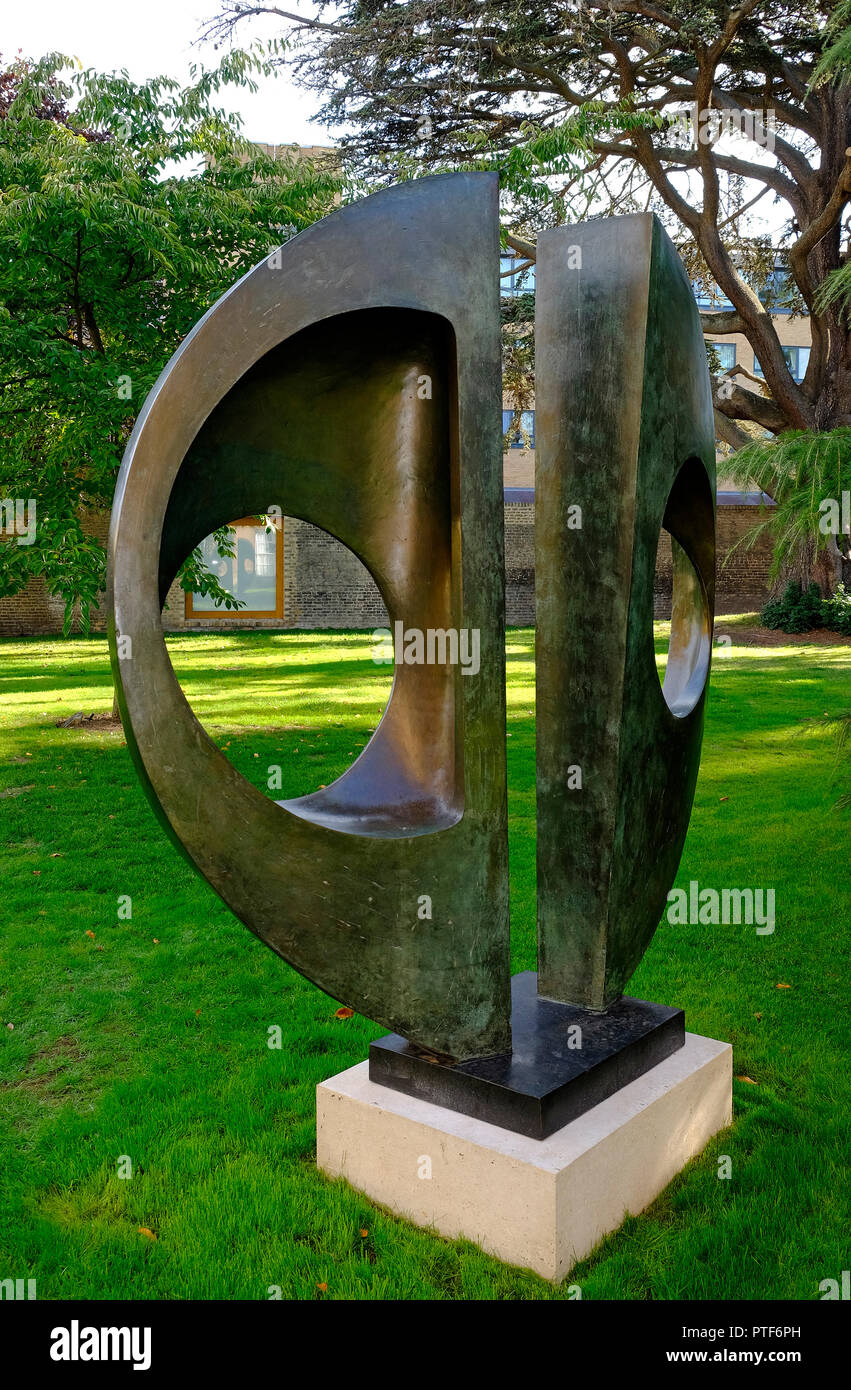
x=302, y=388
x=626, y=433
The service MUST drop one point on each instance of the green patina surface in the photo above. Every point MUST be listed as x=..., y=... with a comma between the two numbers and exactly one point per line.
x=625, y=433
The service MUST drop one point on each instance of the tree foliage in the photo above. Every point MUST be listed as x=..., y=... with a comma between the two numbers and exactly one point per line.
x=126, y=210
x=835, y=62
x=580, y=105
x=802, y=471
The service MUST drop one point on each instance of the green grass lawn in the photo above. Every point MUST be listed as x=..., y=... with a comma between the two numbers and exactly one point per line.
x=147, y=1038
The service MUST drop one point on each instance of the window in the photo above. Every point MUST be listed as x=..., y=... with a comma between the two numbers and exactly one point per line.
x=254, y=573
x=778, y=292
x=713, y=298
x=726, y=354
x=516, y=439
x=797, y=359
x=514, y=281
x=265, y=548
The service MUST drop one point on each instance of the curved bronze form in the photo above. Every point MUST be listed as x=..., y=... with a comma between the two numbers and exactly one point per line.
x=625, y=431
x=353, y=380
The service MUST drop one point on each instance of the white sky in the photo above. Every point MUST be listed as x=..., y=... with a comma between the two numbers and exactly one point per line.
x=156, y=37
x=159, y=37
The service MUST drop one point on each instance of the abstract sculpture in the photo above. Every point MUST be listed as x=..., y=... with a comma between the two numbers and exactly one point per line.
x=625, y=431
x=303, y=388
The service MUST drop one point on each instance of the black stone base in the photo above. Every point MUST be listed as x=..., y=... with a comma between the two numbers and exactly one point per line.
x=544, y=1083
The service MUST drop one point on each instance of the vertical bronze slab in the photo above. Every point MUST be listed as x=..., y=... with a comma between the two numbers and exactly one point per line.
x=625, y=432
x=303, y=387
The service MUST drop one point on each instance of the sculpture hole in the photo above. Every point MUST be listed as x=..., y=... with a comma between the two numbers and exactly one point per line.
x=689, y=525
x=351, y=423
x=687, y=666
x=294, y=703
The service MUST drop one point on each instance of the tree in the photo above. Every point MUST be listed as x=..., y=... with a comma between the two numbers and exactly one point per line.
x=110, y=251
x=808, y=474
x=835, y=66
x=551, y=93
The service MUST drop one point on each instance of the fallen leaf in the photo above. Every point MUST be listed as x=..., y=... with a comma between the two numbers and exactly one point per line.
x=156, y=941
x=344, y=1013
x=749, y=1080
x=757, y=1015
x=57, y=855
x=143, y=1231
x=363, y=1233
x=197, y=1012
x=91, y=934
x=723, y=798
x=323, y=1288
x=782, y=986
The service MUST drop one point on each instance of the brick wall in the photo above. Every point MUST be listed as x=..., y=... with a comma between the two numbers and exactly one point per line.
x=326, y=586
x=33, y=610
x=30, y=611
x=330, y=586
x=741, y=581
x=520, y=563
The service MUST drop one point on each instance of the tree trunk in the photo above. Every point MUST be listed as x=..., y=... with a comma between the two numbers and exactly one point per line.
x=823, y=567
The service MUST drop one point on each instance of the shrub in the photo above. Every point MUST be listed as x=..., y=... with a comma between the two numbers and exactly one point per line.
x=798, y=610
x=836, y=611
x=801, y=610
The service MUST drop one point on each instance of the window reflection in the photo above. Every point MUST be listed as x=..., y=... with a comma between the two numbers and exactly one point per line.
x=250, y=574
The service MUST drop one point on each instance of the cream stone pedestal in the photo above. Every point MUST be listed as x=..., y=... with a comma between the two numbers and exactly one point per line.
x=539, y=1203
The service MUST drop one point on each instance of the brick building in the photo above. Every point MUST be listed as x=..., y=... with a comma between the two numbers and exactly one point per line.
x=298, y=576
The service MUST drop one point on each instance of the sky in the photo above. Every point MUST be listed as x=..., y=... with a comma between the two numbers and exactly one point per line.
x=158, y=37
